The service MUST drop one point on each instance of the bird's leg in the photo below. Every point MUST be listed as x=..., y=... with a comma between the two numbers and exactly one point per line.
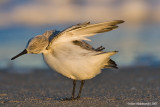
x=80, y=90
x=73, y=91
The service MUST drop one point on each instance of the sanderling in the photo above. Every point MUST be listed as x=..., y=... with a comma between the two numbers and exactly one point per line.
x=67, y=53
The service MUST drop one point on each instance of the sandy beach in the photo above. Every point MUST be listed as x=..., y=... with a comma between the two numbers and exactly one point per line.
x=46, y=88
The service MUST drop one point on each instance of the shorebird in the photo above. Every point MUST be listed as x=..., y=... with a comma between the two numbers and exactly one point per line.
x=67, y=52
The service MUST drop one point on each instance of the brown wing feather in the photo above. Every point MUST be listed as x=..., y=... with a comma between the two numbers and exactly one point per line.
x=84, y=30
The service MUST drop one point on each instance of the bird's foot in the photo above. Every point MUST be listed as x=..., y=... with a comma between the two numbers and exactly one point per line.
x=78, y=97
x=70, y=99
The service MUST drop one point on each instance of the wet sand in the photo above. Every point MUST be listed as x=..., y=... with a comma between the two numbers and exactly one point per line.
x=45, y=88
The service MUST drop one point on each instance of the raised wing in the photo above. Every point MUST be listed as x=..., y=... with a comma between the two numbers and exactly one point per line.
x=82, y=31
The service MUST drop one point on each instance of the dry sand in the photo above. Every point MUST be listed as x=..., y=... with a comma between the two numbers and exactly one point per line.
x=45, y=88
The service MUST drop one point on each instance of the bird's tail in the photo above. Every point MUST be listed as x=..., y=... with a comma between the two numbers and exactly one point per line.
x=108, y=54
x=110, y=63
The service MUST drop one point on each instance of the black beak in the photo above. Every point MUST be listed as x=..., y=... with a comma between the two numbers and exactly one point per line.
x=20, y=54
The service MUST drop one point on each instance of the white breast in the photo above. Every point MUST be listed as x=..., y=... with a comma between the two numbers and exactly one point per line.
x=74, y=62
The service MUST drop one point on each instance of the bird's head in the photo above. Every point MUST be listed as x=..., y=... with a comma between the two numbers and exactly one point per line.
x=36, y=45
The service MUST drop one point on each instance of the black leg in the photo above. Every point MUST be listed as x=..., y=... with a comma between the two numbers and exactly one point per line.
x=80, y=90
x=73, y=91
x=74, y=86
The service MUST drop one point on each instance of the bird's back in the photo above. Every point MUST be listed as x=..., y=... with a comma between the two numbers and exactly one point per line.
x=69, y=55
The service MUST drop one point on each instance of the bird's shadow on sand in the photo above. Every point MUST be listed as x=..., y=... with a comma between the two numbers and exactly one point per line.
x=70, y=99
x=65, y=99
